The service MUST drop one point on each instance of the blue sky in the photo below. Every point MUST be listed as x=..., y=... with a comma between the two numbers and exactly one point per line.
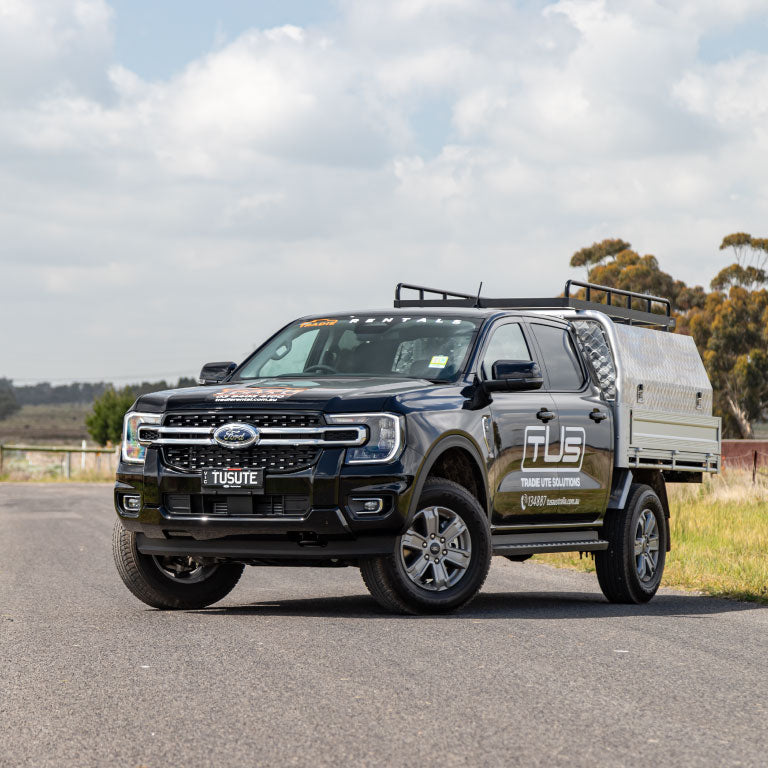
x=180, y=179
x=155, y=38
x=734, y=40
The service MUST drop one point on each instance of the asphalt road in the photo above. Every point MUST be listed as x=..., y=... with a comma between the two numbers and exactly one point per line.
x=300, y=667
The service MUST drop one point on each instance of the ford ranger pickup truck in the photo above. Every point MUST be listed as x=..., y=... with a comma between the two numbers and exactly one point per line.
x=415, y=443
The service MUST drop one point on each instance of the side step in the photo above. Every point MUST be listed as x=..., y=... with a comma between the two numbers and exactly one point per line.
x=533, y=543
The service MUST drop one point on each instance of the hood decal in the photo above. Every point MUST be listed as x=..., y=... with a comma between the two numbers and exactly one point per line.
x=256, y=394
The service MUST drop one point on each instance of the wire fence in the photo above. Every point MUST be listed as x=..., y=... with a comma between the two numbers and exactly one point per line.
x=64, y=461
x=746, y=455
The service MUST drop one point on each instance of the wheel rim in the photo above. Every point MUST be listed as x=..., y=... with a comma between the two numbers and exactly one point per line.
x=436, y=550
x=183, y=569
x=647, y=545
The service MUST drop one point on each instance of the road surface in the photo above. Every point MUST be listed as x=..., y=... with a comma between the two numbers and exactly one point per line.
x=300, y=667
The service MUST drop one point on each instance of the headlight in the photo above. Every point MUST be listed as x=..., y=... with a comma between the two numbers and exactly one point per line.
x=133, y=453
x=385, y=437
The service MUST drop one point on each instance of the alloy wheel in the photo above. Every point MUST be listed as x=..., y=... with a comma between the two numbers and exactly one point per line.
x=436, y=550
x=646, y=545
x=183, y=569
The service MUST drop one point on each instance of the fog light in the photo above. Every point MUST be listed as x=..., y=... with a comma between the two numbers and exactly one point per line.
x=131, y=503
x=367, y=506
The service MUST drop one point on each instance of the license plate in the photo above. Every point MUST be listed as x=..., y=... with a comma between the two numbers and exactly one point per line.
x=228, y=479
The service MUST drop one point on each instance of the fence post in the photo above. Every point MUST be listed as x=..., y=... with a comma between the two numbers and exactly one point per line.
x=754, y=466
x=68, y=465
x=82, y=458
x=1, y=458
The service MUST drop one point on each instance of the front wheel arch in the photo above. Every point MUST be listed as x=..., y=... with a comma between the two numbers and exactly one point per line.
x=438, y=452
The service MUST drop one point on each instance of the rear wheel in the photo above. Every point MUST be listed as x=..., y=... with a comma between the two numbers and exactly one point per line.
x=441, y=561
x=170, y=582
x=630, y=570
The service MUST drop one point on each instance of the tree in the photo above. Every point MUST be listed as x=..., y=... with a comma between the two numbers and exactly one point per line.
x=748, y=271
x=105, y=422
x=731, y=332
x=8, y=403
x=596, y=253
x=615, y=265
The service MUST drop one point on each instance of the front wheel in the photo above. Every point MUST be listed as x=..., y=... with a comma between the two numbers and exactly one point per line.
x=441, y=561
x=630, y=570
x=170, y=582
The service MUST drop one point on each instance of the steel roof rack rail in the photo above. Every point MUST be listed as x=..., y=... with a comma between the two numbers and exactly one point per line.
x=620, y=312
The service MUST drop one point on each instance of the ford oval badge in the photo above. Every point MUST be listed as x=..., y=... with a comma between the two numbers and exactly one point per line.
x=236, y=435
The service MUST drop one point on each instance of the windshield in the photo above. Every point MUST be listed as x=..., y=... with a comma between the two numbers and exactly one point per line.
x=428, y=347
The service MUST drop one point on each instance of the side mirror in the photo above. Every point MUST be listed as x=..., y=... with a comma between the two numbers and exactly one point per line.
x=213, y=373
x=514, y=376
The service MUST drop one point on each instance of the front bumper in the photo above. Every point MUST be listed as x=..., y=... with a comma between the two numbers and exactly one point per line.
x=323, y=524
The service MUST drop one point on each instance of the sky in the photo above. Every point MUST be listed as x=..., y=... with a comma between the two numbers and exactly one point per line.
x=180, y=179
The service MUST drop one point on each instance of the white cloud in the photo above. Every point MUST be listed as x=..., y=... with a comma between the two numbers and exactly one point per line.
x=297, y=169
x=49, y=46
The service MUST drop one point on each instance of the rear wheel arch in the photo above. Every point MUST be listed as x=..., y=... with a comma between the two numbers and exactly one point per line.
x=655, y=479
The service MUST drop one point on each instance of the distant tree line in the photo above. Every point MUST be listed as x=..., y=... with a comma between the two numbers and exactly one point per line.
x=85, y=392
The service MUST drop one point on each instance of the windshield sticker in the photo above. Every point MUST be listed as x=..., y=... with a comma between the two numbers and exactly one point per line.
x=256, y=394
x=388, y=320
x=438, y=361
x=319, y=322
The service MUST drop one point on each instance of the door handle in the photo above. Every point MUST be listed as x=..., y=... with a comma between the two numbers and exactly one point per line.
x=597, y=415
x=545, y=415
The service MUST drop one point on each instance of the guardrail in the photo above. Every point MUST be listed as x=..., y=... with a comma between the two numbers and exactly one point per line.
x=65, y=450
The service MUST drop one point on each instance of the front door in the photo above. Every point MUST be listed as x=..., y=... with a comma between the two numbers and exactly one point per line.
x=515, y=419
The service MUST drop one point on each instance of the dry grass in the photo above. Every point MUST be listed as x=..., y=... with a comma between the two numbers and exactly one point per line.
x=719, y=538
x=56, y=423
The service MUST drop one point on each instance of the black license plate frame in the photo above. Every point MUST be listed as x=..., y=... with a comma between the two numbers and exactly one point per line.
x=235, y=480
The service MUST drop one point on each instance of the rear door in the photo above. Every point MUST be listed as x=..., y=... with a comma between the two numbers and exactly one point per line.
x=580, y=461
x=511, y=416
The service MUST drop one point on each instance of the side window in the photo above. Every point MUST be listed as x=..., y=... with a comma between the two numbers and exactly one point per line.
x=507, y=343
x=560, y=358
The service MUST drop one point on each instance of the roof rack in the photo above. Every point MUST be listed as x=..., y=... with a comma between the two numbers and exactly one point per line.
x=618, y=302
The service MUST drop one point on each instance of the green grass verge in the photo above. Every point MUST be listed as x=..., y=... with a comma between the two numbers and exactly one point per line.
x=719, y=535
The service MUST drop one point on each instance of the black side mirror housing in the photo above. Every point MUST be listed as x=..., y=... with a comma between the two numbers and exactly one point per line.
x=514, y=376
x=213, y=373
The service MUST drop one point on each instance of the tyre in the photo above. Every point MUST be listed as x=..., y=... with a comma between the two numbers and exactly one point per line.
x=630, y=570
x=170, y=582
x=441, y=561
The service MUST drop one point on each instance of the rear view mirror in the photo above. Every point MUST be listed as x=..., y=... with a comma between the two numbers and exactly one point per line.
x=213, y=373
x=515, y=376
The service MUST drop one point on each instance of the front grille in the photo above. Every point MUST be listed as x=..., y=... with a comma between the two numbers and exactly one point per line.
x=255, y=419
x=262, y=506
x=271, y=458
